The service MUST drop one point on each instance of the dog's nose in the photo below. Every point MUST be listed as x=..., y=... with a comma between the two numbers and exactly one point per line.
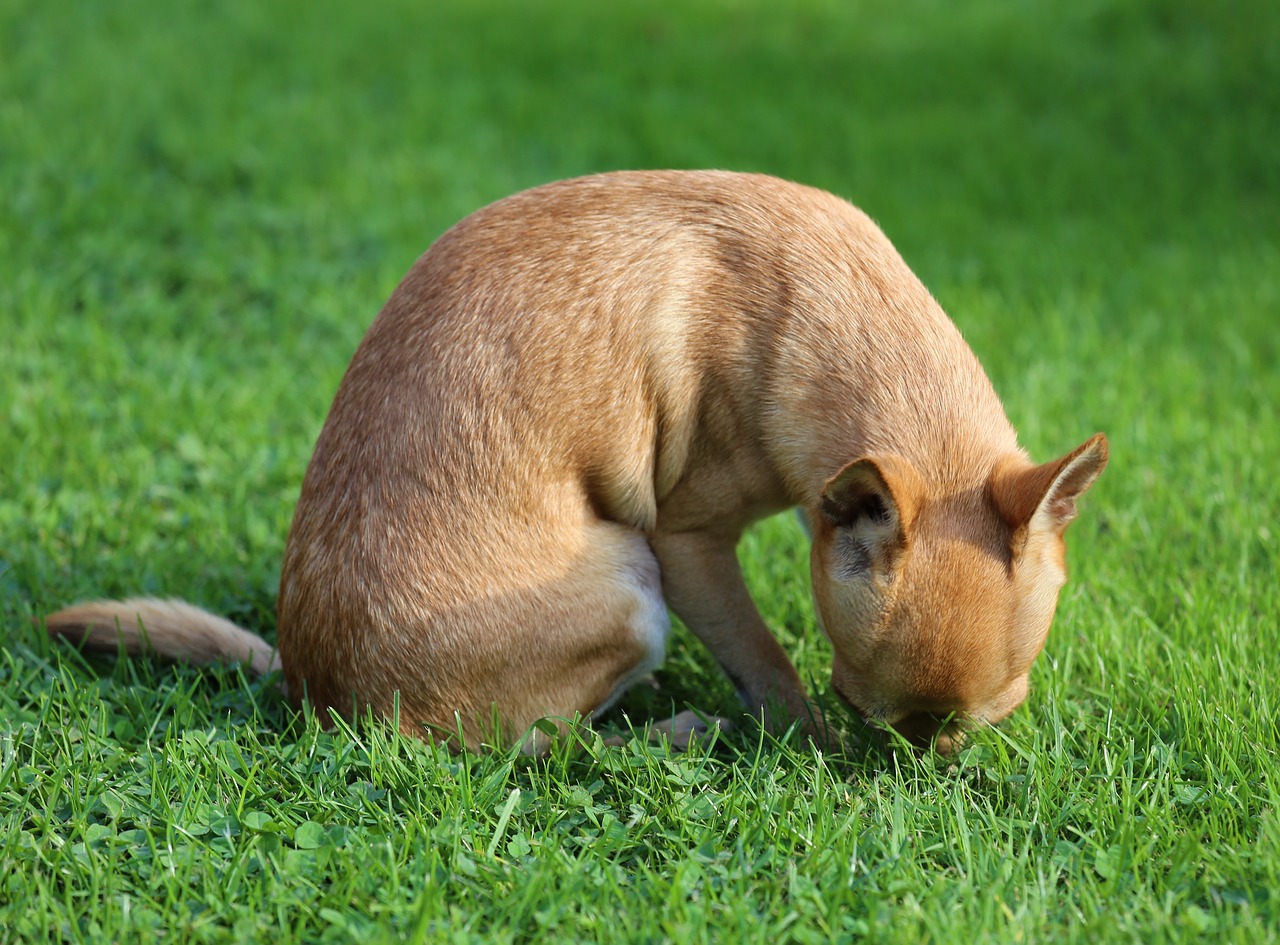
x=925, y=729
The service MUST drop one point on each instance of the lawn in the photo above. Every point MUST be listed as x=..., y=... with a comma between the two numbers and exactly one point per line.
x=203, y=205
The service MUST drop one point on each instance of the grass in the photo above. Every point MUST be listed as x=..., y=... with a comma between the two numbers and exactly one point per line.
x=203, y=205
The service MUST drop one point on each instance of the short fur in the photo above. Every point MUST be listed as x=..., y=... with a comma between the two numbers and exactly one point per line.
x=562, y=421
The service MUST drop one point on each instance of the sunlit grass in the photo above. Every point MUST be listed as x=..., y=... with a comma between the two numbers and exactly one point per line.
x=201, y=208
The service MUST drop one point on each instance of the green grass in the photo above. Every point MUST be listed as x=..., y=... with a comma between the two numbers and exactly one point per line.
x=203, y=205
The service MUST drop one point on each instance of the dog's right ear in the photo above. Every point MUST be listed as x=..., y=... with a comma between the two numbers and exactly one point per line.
x=1043, y=498
x=872, y=503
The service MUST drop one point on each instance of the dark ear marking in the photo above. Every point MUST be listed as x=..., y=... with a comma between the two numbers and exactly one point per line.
x=882, y=490
x=850, y=507
x=859, y=491
x=852, y=555
x=872, y=504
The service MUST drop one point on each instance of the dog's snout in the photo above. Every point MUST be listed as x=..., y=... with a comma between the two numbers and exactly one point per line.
x=925, y=729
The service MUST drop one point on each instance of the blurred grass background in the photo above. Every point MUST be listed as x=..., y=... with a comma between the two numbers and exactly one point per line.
x=203, y=205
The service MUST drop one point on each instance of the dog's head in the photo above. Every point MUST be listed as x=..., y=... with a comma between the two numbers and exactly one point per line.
x=937, y=605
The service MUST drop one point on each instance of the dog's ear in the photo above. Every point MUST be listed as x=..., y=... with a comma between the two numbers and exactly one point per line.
x=872, y=503
x=1043, y=498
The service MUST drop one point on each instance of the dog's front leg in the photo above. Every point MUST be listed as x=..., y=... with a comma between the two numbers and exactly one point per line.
x=703, y=585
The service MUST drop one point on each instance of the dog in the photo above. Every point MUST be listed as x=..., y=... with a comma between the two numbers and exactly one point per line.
x=562, y=421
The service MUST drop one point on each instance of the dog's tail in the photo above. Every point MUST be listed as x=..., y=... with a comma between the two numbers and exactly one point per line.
x=169, y=628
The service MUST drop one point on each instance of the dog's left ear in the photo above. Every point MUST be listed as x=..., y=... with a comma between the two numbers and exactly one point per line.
x=1043, y=498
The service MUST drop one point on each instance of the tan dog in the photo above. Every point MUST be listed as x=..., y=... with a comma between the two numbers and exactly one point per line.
x=566, y=415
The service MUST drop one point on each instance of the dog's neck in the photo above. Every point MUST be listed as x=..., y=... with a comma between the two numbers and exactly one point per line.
x=934, y=406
